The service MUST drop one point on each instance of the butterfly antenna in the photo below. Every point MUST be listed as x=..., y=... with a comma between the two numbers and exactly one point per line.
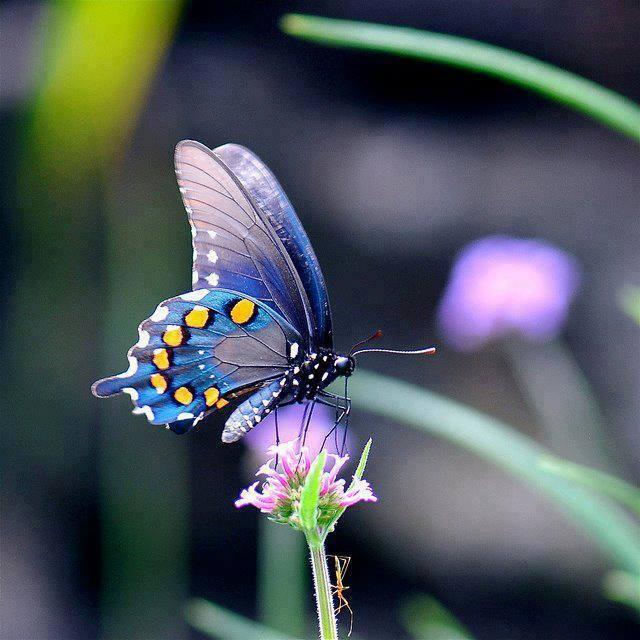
x=374, y=336
x=429, y=351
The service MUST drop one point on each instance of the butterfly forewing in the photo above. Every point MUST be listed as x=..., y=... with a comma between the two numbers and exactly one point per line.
x=265, y=191
x=233, y=246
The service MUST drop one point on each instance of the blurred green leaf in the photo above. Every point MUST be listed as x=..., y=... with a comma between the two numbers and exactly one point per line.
x=603, y=520
x=624, y=588
x=554, y=83
x=630, y=302
x=218, y=622
x=425, y=618
x=97, y=63
x=310, y=494
x=612, y=486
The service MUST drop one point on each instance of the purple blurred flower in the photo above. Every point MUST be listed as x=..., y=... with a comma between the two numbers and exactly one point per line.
x=279, y=496
x=289, y=427
x=501, y=286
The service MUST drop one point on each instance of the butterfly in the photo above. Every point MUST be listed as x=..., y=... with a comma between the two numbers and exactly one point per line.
x=255, y=332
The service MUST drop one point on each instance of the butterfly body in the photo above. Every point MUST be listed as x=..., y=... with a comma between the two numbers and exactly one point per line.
x=304, y=380
x=255, y=332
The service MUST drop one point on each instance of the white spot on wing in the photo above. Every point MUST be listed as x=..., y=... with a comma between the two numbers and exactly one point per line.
x=213, y=256
x=133, y=367
x=195, y=276
x=132, y=392
x=144, y=338
x=160, y=313
x=146, y=410
x=293, y=351
x=194, y=296
x=213, y=279
x=185, y=416
x=212, y=234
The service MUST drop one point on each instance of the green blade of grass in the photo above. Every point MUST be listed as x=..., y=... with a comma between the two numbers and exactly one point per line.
x=427, y=619
x=624, y=588
x=611, y=486
x=589, y=98
x=607, y=524
x=629, y=300
x=218, y=622
x=364, y=457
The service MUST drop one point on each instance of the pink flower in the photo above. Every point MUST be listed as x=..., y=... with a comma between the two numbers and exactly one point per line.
x=279, y=495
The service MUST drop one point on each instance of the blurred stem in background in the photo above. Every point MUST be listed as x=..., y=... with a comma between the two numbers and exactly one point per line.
x=99, y=59
x=282, y=577
x=554, y=83
x=560, y=397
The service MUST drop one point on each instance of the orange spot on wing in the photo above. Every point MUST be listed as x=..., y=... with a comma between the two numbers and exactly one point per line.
x=159, y=382
x=243, y=311
x=183, y=395
x=197, y=317
x=221, y=403
x=211, y=396
x=161, y=358
x=173, y=336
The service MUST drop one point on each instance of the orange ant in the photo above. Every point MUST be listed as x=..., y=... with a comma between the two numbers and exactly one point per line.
x=341, y=566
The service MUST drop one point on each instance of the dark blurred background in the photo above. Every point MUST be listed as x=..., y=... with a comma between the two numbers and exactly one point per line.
x=393, y=166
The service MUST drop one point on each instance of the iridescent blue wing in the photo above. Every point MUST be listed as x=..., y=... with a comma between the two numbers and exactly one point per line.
x=234, y=245
x=265, y=191
x=199, y=352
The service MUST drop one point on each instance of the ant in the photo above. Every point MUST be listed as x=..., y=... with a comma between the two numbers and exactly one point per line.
x=341, y=566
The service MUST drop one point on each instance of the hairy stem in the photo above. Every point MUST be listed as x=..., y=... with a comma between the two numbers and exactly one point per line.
x=322, y=587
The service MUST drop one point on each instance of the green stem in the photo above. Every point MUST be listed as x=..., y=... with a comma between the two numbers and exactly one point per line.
x=556, y=84
x=322, y=586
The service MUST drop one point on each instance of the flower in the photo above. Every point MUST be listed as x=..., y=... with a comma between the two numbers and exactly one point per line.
x=279, y=496
x=289, y=426
x=500, y=286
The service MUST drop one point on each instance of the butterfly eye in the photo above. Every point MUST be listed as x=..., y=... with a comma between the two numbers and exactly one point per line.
x=344, y=365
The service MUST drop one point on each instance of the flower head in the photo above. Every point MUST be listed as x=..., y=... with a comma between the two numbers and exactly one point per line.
x=501, y=286
x=280, y=494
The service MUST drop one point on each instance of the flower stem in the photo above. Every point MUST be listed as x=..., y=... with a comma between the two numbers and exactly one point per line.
x=322, y=586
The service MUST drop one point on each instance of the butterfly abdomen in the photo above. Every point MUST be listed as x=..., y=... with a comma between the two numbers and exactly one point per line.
x=253, y=410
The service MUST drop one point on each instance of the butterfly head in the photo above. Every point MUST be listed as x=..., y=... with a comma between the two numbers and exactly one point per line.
x=344, y=365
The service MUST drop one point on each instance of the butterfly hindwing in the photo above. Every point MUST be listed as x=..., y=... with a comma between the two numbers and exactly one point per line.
x=197, y=352
x=234, y=245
